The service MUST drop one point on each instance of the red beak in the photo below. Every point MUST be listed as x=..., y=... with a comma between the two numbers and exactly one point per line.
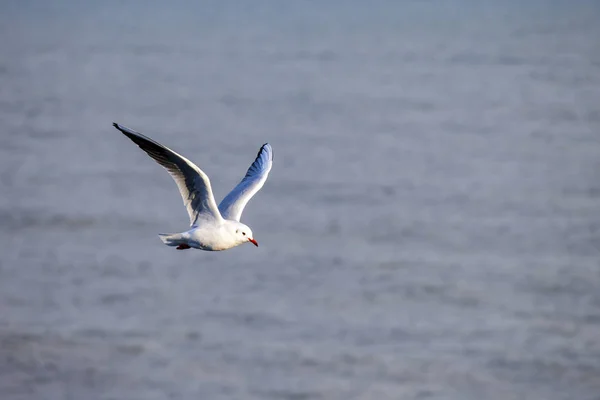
x=254, y=242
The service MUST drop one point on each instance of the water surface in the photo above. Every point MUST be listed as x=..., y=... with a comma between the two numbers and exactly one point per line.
x=430, y=229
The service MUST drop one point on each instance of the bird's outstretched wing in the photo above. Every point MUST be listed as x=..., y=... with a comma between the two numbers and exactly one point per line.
x=193, y=183
x=233, y=204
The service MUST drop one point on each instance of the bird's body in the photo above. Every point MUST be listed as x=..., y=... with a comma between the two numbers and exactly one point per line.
x=212, y=228
x=208, y=236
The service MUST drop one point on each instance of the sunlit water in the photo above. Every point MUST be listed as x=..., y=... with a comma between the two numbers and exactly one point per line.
x=430, y=229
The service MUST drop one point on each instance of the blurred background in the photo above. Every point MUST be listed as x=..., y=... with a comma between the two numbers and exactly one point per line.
x=430, y=229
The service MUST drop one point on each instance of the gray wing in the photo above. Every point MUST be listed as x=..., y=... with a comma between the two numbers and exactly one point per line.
x=193, y=184
x=233, y=204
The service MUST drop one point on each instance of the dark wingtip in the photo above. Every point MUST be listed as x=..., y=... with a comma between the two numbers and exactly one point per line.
x=263, y=147
x=120, y=129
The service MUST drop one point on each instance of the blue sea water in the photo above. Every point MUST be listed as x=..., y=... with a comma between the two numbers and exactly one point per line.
x=430, y=229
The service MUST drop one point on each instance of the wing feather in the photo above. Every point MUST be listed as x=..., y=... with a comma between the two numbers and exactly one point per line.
x=193, y=183
x=233, y=204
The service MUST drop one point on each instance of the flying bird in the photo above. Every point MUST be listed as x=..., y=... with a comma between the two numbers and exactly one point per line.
x=212, y=228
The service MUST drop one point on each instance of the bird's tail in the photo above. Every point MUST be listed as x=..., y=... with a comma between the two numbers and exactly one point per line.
x=172, y=239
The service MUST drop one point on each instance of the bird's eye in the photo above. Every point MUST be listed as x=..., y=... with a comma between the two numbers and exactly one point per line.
x=244, y=233
x=237, y=231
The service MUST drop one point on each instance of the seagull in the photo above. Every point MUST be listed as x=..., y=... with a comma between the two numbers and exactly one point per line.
x=212, y=228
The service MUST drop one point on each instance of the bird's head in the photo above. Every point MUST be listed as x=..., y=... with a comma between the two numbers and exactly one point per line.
x=244, y=234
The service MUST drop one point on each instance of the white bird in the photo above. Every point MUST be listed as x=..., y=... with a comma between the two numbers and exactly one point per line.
x=212, y=228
